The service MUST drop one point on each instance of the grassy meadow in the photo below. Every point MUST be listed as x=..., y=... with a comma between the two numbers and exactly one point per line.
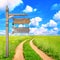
x=13, y=42
x=49, y=44
x=29, y=53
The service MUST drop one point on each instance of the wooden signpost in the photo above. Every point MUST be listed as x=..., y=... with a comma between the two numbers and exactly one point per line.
x=21, y=21
x=7, y=28
x=21, y=30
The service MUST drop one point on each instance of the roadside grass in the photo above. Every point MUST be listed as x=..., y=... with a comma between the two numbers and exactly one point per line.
x=2, y=48
x=13, y=42
x=49, y=44
x=29, y=53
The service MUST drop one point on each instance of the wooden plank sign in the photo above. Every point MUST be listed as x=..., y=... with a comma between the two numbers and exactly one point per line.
x=21, y=21
x=21, y=30
x=11, y=15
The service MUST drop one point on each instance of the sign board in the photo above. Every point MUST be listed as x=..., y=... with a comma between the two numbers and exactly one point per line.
x=21, y=21
x=17, y=29
x=11, y=15
x=21, y=30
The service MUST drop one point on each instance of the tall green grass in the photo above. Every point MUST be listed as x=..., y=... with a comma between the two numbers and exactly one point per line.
x=29, y=53
x=2, y=46
x=13, y=42
x=49, y=44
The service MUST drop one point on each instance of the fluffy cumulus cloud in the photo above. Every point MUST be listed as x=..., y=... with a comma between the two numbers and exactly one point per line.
x=29, y=9
x=51, y=23
x=55, y=6
x=57, y=16
x=43, y=31
x=35, y=21
x=11, y=4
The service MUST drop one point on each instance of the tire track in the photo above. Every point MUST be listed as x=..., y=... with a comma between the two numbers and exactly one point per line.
x=39, y=52
x=19, y=52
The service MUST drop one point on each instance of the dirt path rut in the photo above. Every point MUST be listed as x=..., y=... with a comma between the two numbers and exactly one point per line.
x=19, y=52
x=39, y=52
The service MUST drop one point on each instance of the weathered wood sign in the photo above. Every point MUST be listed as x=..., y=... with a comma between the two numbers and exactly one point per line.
x=7, y=27
x=11, y=15
x=21, y=21
x=21, y=30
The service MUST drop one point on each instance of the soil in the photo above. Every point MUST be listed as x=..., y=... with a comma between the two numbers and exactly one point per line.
x=39, y=52
x=19, y=52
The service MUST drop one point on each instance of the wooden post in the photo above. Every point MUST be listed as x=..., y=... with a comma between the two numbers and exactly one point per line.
x=7, y=27
x=7, y=31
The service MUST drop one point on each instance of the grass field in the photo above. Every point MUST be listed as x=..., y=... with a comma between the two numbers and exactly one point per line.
x=29, y=54
x=49, y=44
x=13, y=42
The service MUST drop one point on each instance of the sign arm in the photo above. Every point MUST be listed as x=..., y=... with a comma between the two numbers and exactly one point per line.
x=11, y=15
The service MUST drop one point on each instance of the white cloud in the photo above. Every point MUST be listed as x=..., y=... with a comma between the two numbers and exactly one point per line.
x=35, y=21
x=29, y=9
x=11, y=4
x=55, y=29
x=44, y=25
x=57, y=16
x=32, y=30
x=21, y=25
x=51, y=23
x=43, y=31
x=55, y=6
x=38, y=31
x=35, y=9
x=53, y=32
x=2, y=32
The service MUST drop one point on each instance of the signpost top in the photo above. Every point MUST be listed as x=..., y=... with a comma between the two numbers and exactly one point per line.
x=7, y=9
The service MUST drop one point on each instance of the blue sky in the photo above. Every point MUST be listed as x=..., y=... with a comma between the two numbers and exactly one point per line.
x=44, y=15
